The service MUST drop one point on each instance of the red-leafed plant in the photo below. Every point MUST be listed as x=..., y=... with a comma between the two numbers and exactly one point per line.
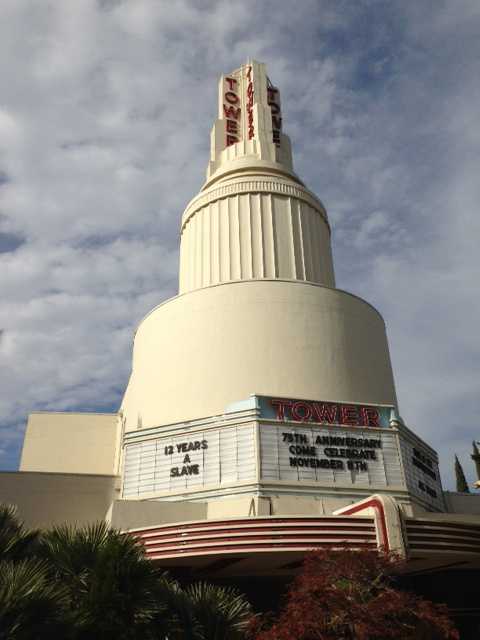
x=346, y=595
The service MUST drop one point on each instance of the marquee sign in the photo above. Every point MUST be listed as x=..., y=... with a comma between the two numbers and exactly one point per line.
x=422, y=473
x=249, y=106
x=172, y=464
x=217, y=457
x=249, y=122
x=330, y=456
x=349, y=415
x=298, y=442
x=231, y=111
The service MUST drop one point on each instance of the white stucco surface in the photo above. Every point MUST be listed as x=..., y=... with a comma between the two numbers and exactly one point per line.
x=201, y=351
x=71, y=443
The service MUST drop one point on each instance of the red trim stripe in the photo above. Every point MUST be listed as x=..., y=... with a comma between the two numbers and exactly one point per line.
x=256, y=535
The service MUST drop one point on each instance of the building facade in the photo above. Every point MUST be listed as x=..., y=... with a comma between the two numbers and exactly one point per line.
x=260, y=419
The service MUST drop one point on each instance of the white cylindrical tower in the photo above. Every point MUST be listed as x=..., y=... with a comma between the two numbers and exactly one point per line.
x=257, y=311
x=253, y=218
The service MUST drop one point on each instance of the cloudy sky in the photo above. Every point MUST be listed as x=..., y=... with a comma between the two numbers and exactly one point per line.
x=105, y=113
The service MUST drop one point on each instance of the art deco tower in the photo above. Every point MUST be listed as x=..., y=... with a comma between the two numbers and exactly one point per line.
x=257, y=310
x=259, y=337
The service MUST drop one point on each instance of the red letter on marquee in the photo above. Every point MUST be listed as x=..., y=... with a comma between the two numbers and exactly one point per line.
x=231, y=82
x=280, y=406
x=370, y=416
x=232, y=126
x=231, y=97
x=232, y=112
x=325, y=412
x=301, y=411
x=231, y=140
x=349, y=415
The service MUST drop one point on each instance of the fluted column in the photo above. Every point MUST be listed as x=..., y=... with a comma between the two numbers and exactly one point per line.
x=253, y=228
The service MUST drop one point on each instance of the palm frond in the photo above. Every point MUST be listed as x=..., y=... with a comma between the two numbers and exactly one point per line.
x=222, y=612
x=112, y=586
x=31, y=605
x=16, y=542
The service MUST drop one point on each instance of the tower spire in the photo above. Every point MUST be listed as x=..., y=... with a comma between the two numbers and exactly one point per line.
x=253, y=218
x=249, y=127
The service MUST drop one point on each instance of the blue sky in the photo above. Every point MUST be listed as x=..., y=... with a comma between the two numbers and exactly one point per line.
x=105, y=115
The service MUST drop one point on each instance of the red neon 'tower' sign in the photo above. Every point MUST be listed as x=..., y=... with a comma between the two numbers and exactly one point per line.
x=231, y=111
x=326, y=412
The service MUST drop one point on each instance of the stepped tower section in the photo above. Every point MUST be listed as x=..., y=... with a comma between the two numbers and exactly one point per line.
x=257, y=310
x=254, y=218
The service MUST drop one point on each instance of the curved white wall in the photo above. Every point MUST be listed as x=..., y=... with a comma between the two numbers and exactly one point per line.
x=260, y=226
x=198, y=352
